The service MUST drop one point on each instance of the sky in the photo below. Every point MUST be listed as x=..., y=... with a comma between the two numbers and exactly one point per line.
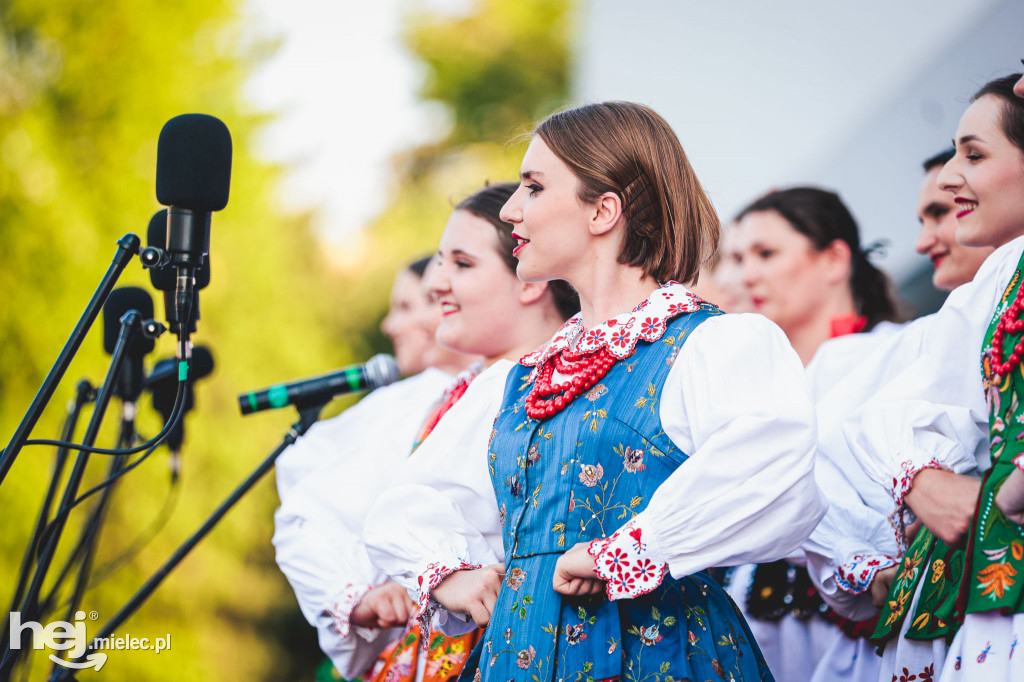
x=344, y=90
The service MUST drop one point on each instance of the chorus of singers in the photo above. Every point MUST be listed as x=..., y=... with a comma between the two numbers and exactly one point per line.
x=634, y=444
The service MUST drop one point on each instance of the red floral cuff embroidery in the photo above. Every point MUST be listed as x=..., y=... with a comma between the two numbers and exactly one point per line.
x=855, y=576
x=624, y=562
x=428, y=580
x=345, y=602
x=901, y=484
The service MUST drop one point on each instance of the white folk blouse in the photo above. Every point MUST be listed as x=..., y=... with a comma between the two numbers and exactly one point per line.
x=735, y=399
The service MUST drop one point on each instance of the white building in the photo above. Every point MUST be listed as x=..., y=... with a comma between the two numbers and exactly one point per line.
x=852, y=96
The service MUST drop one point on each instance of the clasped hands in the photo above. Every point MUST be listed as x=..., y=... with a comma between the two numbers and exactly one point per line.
x=474, y=591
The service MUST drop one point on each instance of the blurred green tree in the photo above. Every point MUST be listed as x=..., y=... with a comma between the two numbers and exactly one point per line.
x=84, y=90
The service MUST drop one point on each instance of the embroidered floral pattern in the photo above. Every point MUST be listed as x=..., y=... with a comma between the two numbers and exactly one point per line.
x=525, y=657
x=856, y=575
x=621, y=333
x=901, y=484
x=622, y=561
x=591, y=474
x=427, y=581
x=344, y=604
x=515, y=578
x=633, y=460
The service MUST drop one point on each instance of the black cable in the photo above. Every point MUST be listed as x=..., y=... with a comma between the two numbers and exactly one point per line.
x=141, y=542
x=127, y=451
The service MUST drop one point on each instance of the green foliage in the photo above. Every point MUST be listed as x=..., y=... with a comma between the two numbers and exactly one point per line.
x=84, y=90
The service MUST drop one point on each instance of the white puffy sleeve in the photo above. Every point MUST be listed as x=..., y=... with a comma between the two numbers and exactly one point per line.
x=441, y=514
x=857, y=538
x=327, y=481
x=851, y=544
x=737, y=401
x=933, y=414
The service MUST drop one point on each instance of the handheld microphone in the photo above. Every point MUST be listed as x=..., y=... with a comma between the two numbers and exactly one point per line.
x=165, y=277
x=193, y=178
x=380, y=370
x=120, y=301
x=162, y=384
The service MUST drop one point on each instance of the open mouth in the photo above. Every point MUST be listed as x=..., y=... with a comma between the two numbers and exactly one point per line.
x=448, y=308
x=938, y=258
x=965, y=206
x=521, y=243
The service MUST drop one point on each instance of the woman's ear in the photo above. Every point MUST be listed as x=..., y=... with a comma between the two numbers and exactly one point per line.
x=606, y=215
x=838, y=258
x=531, y=292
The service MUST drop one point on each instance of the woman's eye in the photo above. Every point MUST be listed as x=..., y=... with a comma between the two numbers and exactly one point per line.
x=765, y=253
x=463, y=263
x=974, y=156
x=534, y=188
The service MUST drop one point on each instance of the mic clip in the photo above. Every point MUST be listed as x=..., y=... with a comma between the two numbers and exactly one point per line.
x=154, y=257
x=153, y=329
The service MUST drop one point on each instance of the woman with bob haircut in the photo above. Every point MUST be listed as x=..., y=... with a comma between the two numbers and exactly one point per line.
x=652, y=437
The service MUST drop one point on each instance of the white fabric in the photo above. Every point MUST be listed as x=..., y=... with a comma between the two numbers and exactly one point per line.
x=792, y=647
x=843, y=375
x=327, y=481
x=935, y=408
x=987, y=649
x=735, y=400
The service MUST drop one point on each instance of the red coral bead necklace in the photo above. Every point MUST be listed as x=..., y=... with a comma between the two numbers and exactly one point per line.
x=1009, y=323
x=546, y=399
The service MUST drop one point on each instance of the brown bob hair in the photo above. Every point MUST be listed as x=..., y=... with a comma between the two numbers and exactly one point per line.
x=628, y=149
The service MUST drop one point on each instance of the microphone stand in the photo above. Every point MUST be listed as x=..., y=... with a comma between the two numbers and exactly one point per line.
x=130, y=324
x=89, y=537
x=127, y=246
x=84, y=394
x=308, y=415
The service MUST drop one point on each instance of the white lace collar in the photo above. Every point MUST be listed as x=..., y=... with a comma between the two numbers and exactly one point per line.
x=620, y=334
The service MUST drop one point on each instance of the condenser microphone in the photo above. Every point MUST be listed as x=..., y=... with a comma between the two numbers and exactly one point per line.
x=165, y=277
x=120, y=301
x=193, y=178
x=380, y=370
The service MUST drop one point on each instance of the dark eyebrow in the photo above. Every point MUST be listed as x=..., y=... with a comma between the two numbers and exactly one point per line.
x=968, y=138
x=935, y=209
x=527, y=175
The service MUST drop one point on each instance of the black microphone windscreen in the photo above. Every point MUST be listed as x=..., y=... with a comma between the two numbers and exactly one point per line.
x=202, y=362
x=165, y=278
x=193, y=163
x=120, y=301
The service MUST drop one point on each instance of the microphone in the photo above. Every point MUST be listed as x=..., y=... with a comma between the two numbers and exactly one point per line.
x=193, y=178
x=164, y=277
x=120, y=301
x=162, y=383
x=380, y=370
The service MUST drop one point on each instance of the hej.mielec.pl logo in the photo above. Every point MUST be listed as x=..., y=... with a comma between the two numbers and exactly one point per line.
x=71, y=637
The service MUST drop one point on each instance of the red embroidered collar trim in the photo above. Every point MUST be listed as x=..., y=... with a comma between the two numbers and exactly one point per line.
x=620, y=334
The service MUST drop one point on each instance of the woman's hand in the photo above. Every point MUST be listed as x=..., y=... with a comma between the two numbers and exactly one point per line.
x=945, y=503
x=1010, y=497
x=385, y=606
x=880, y=585
x=575, y=574
x=472, y=591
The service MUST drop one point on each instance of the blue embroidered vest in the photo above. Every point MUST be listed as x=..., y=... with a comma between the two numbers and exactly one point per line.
x=578, y=476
